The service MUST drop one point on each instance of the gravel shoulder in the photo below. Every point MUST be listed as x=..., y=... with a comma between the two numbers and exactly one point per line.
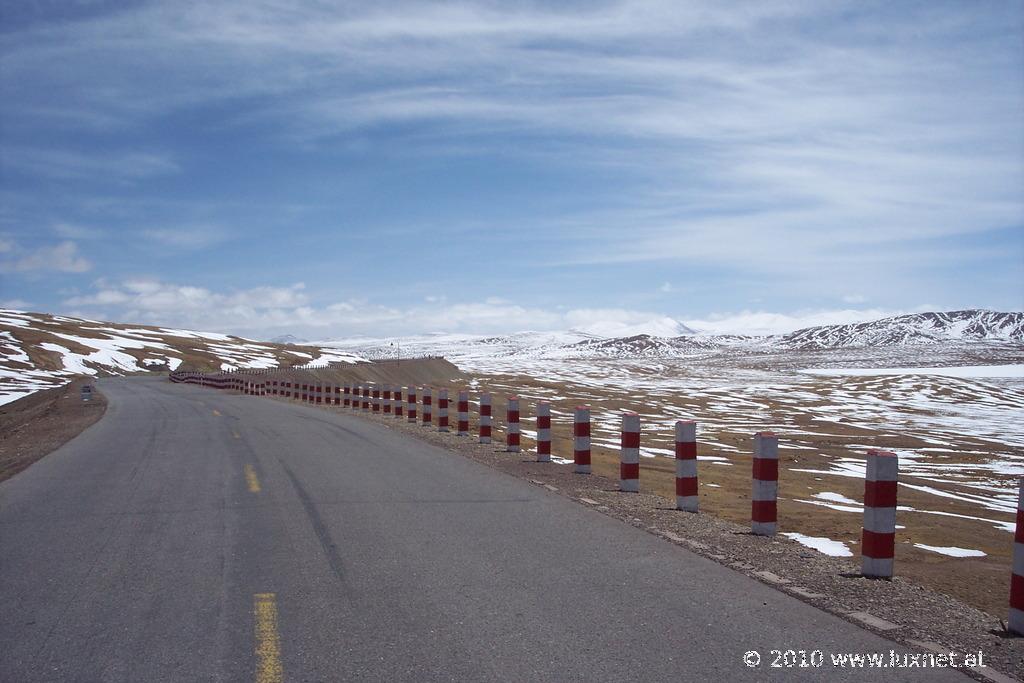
x=38, y=424
x=923, y=620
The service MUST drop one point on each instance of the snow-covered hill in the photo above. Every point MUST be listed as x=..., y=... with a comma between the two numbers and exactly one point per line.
x=919, y=328
x=39, y=351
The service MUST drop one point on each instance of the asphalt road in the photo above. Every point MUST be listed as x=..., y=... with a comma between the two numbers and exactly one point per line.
x=193, y=535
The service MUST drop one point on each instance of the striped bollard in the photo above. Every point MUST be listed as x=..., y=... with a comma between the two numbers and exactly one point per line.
x=366, y=397
x=543, y=431
x=878, y=537
x=428, y=407
x=387, y=399
x=581, y=439
x=376, y=399
x=463, y=416
x=442, y=410
x=765, y=492
x=485, y=418
x=512, y=417
x=319, y=393
x=305, y=393
x=686, y=465
x=1015, y=623
x=629, y=455
x=337, y=395
x=397, y=398
x=411, y=403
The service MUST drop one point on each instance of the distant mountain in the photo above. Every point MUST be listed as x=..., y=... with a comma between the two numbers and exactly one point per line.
x=906, y=330
x=39, y=351
x=288, y=339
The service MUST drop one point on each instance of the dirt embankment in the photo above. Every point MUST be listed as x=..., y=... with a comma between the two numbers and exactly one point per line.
x=44, y=421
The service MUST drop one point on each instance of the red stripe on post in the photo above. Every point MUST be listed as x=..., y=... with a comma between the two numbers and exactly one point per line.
x=631, y=439
x=629, y=470
x=763, y=511
x=686, y=450
x=686, y=486
x=581, y=429
x=766, y=469
x=877, y=546
x=544, y=422
x=1017, y=591
x=880, y=494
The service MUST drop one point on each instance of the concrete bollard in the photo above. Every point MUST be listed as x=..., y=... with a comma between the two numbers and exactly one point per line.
x=337, y=395
x=686, y=466
x=485, y=418
x=878, y=537
x=376, y=399
x=463, y=416
x=366, y=397
x=305, y=392
x=387, y=399
x=319, y=393
x=397, y=398
x=411, y=403
x=765, y=492
x=581, y=439
x=346, y=395
x=428, y=407
x=512, y=418
x=1015, y=623
x=442, y=410
x=543, y=431
x=629, y=455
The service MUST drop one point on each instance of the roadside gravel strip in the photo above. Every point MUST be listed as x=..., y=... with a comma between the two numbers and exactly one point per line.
x=922, y=620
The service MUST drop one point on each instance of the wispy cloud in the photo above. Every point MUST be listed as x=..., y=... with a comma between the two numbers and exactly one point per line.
x=62, y=257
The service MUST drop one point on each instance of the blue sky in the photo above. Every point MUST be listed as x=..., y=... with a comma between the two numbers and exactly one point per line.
x=330, y=169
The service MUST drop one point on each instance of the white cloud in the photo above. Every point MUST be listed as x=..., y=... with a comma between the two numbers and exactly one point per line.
x=186, y=238
x=62, y=257
x=854, y=298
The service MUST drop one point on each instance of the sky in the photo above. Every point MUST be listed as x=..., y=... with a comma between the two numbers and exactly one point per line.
x=330, y=169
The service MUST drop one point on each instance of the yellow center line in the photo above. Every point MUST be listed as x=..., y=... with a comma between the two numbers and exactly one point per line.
x=251, y=479
x=216, y=412
x=268, y=642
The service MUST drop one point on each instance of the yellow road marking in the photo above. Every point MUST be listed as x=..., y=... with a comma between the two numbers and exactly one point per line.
x=216, y=412
x=268, y=642
x=251, y=480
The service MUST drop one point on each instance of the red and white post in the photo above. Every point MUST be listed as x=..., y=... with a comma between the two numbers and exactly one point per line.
x=442, y=410
x=512, y=418
x=765, y=493
x=1015, y=623
x=686, y=465
x=878, y=538
x=387, y=399
x=463, y=416
x=485, y=418
x=346, y=399
x=366, y=397
x=581, y=439
x=543, y=431
x=411, y=402
x=376, y=398
x=629, y=458
x=397, y=398
x=428, y=407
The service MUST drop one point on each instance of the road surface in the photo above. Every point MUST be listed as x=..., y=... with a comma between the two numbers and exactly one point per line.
x=193, y=535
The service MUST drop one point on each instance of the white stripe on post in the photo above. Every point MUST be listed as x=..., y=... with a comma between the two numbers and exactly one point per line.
x=686, y=466
x=1015, y=624
x=878, y=537
x=581, y=439
x=629, y=459
x=512, y=433
x=543, y=431
x=765, y=493
x=485, y=418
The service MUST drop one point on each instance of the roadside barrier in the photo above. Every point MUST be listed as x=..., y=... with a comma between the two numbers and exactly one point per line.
x=629, y=457
x=366, y=397
x=543, y=431
x=1015, y=623
x=765, y=492
x=462, y=429
x=442, y=410
x=878, y=537
x=512, y=419
x=428, y=409
x=485, y=418
x=411, y=393
x=346, y=396
x=397, y=398
x=376, y=399
x=686, y=466
x=387, y=399
x=581, y=440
